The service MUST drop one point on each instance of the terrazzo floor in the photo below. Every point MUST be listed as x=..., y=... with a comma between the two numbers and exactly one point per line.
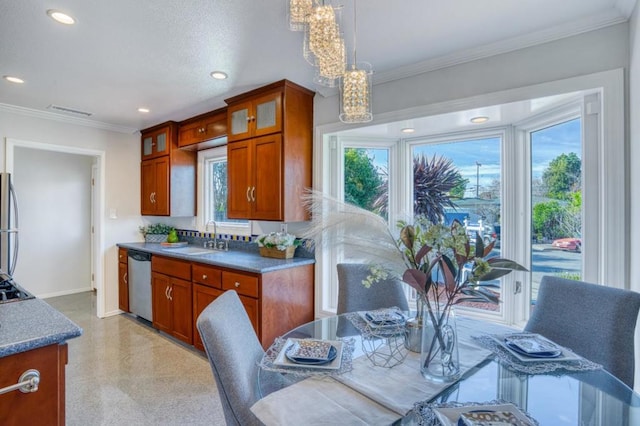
x=121, y=372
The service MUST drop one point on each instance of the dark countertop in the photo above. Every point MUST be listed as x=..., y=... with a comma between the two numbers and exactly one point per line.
x=31, y=324
x=234, y=259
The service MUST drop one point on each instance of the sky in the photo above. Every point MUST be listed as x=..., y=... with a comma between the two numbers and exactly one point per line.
x=547, y=144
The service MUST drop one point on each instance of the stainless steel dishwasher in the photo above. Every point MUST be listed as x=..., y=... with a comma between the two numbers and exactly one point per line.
x=140, y=284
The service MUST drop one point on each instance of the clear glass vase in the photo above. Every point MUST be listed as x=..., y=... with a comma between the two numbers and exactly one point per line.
x=413, y=328
x=439, y=360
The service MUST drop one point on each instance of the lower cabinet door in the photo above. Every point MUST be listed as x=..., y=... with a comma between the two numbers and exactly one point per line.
x=181, y=300
x=251, y=306
x=202, y=297
x=160, y=286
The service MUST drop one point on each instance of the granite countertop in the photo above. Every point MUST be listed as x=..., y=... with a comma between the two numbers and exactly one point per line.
x=31, y=324
x=247, y=261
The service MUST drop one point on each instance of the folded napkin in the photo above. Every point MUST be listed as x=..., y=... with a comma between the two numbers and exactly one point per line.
x=320, y=401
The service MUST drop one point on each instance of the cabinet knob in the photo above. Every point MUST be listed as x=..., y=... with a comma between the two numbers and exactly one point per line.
x=237, y=284
x=204, y=276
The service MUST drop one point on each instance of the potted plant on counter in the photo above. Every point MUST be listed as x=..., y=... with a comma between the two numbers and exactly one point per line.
x=156, y=233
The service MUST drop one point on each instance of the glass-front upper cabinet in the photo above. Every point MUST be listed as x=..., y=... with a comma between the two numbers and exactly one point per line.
x=259, y=116
x=155, y=143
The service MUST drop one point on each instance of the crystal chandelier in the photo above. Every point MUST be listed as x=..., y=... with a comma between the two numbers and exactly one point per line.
x=355, y=90
x=298, y=12
x=324, y=46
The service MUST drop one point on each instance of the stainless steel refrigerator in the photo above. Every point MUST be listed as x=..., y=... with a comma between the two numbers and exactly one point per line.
x=8, y=225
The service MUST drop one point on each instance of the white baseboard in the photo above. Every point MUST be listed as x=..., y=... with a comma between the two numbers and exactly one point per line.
x=63, y=293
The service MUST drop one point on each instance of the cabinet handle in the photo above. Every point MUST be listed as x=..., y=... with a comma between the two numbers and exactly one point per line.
x=170, y=291
x=27, y=383
x=253, y=118
x=166, y=292
x=124, y=278
x=248, y=197
x=204, y=276
x=237, y=284
x=253, y=194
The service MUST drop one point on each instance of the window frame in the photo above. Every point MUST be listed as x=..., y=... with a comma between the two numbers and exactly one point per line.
x=205, y=159
x=609, y=166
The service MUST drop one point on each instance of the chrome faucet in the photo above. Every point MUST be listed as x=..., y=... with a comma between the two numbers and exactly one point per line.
x=215, y=244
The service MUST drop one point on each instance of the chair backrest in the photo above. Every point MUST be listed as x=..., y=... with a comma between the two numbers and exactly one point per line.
x=595, y=321
x=354, y=296
x=233, y=350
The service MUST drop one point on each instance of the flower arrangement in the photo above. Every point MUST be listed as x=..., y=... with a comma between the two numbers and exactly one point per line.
x=278, y=240
x=277, y=244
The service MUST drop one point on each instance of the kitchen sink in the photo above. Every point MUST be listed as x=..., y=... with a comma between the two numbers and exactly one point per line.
x=192, y=251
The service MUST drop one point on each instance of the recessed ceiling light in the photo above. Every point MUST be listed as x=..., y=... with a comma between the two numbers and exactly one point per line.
x=408, y=130
x=13, y=79
x=143, y=110
x=219, y=75
x=61, y=17
x=479, y=120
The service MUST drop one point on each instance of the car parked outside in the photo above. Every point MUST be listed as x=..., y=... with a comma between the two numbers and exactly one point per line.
x=570, y=244
x=485, y=231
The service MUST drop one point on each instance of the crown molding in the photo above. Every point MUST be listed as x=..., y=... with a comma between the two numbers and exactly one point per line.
x=592, y=23
x=46, y=115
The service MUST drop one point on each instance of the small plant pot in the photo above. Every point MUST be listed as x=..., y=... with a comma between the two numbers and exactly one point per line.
x=155, y=238
x=278, y=254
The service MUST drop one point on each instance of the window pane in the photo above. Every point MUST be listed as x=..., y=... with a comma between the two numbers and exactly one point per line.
x=218, y=200
x=460, y=180
x=366, y=179
x=556, y=201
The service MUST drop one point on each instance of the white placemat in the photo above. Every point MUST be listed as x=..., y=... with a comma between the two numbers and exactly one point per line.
x=398, y=388
x=320, y=401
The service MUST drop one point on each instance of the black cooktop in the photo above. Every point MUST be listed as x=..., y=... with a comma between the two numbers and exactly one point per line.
x=10, y=291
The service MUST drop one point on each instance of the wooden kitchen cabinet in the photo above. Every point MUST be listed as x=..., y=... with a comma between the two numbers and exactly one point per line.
x=269, y=154
x=123, y=280
x=254, y=185
x=202, y=296
x=207, y=285
x=155, y=186
x=168, y=177
x=259, y=115
x=156, y=142
x=197, y=131
x=46, y=406
x=171, y=297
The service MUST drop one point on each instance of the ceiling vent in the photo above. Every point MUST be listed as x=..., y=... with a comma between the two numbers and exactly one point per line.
x=69, y=110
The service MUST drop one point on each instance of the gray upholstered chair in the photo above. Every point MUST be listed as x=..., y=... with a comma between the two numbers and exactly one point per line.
x=233, y=350
x=353, y=296
x=595, y=321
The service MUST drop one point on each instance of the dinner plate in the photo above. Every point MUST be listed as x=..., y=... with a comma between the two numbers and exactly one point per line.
x=566, y=354
x=450, y=416
x=283, y=360
x=333, y=352
x=541, y=354
x=379, y=319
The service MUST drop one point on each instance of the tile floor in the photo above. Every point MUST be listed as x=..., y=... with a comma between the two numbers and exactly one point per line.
x=121, y=372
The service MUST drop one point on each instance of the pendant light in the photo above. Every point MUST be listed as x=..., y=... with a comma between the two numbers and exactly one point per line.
x=355, y=88
x=324, y=46
x=298, y=12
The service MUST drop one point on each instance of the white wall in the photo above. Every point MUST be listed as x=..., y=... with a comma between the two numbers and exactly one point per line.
x=54, y=194
x=587, y=53
x=121, y=186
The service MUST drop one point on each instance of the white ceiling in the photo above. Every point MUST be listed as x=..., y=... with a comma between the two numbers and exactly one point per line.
x=123, y=54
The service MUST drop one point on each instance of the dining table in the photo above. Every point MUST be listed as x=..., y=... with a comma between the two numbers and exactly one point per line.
x=379, y=381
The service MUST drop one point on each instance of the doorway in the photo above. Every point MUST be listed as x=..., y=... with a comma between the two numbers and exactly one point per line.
x=60, y=191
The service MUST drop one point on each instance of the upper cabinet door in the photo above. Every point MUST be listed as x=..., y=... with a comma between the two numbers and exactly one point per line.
x=156, y=143
x=259, y=116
